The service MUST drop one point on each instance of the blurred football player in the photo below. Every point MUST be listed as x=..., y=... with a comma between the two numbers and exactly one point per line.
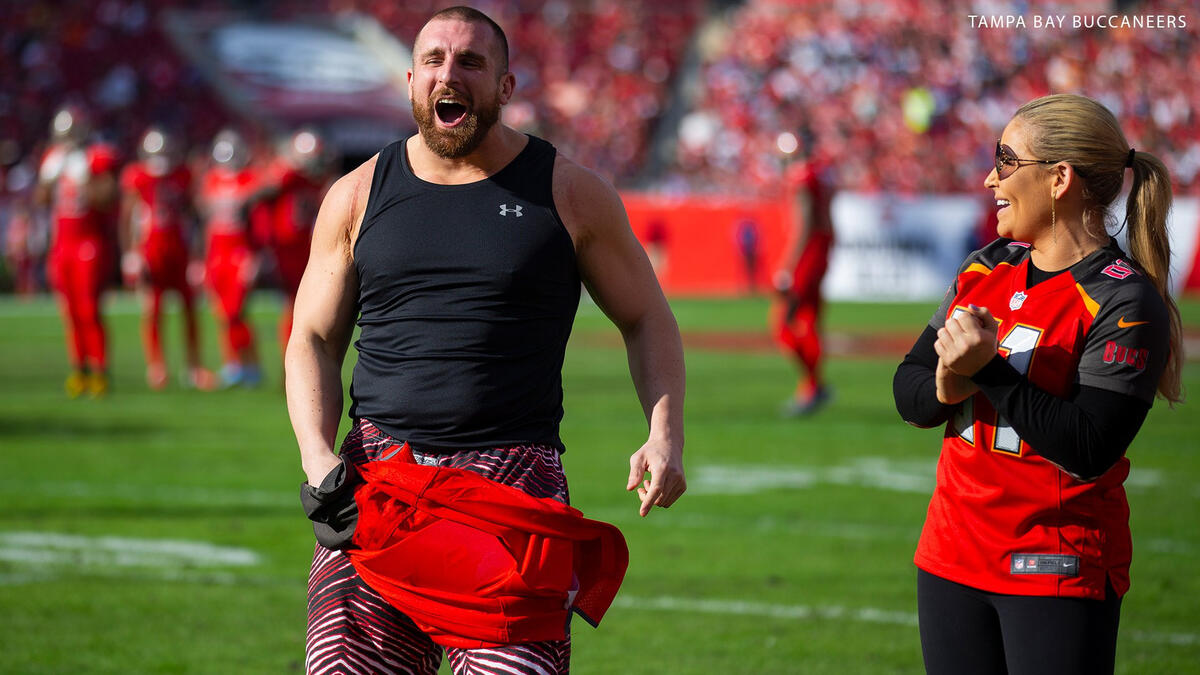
x=297, y=181
x=798, y=281
x=76, y=181
x=231, y=261
x=155, y=210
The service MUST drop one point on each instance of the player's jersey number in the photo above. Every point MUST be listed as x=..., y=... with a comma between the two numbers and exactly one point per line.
x=1017, y=346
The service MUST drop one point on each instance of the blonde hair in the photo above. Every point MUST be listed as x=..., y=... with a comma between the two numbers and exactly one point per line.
x=1083, y=133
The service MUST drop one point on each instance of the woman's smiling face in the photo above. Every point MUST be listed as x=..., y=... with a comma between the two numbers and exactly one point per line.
x=1023, y=197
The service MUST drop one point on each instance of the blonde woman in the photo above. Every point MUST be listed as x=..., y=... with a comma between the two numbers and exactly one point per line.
x=1042, y=363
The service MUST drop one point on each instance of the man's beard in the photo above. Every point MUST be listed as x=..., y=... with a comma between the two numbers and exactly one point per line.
x=462, y=139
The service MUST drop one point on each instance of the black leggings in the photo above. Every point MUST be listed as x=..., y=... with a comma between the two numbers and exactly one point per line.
x=965, y=630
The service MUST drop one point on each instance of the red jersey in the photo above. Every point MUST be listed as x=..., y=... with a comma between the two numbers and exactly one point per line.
x=161, y=199
x=475, y=563
x=810, y=178
x=294, y=210
x=1003, y=519
x=223, y=196
x=70, y=170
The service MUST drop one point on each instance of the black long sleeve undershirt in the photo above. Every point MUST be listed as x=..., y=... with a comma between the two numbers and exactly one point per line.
x=1084, y=434
x=915, y=386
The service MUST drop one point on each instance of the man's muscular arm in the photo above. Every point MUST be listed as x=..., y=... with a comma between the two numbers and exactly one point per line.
x=323, y=324
x=619, y=277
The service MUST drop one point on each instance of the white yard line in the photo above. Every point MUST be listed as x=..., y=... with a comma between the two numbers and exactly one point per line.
x=153, y=494
x=50, y=548
x=773, y=525
x=744, y=608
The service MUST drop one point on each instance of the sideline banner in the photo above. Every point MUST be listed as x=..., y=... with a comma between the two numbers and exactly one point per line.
x=892, y=247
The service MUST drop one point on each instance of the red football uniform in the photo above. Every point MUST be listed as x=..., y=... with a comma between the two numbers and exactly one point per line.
x=80, y=254
x=796, y=318
x=808, y=178
x=158, y=224
x=230, y=261
x=293, y=213
x=1002, y=518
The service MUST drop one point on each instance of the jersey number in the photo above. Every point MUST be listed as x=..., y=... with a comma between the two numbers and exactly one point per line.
x=1017, y=346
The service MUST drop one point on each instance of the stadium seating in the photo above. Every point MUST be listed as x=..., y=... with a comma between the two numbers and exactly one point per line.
x=905, y=96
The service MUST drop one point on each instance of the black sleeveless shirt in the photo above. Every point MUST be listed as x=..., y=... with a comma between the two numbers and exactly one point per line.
x=466, y=298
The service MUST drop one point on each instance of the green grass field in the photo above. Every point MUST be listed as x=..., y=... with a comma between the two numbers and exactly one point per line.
x=161, y=532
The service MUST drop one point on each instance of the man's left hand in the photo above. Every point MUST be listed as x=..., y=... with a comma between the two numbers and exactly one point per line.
x=664, y=463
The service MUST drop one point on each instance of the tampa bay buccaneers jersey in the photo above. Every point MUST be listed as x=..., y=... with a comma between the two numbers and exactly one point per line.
x=71, y=170
x=223, y=195
x=295, y=208
x=161, y=198
x=1002, y=518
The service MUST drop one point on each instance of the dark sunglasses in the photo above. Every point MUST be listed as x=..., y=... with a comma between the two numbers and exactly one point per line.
x=1007, y=161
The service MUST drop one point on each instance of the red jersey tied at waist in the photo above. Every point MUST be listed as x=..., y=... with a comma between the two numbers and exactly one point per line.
x=472, y=562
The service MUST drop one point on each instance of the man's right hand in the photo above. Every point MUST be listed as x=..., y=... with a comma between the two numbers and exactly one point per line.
x=318, y=467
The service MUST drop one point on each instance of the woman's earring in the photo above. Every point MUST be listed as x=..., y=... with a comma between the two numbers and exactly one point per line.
x=1053, y=219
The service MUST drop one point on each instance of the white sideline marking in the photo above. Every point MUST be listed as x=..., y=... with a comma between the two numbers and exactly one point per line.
x=835, y=612
x=762, y=524
x=915, y=476
x=1171, y=546
x=155, y=575
x=1179, y=639
x=912, y=476
x=47, y=548
x=153, y=494
x=1143, y=479
x=743, y=608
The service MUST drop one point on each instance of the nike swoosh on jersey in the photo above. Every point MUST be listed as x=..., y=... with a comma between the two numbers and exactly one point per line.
x=1122, y=323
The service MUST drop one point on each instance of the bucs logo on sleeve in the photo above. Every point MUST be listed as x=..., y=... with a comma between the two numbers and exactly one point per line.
x=1120, y=354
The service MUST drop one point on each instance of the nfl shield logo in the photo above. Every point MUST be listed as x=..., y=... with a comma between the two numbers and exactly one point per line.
x=1017, y=300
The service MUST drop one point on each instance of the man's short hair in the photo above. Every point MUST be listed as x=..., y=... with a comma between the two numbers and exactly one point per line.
x=472, y=15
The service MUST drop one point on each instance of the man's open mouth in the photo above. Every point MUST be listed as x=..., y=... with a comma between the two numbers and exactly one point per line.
x=450, y=111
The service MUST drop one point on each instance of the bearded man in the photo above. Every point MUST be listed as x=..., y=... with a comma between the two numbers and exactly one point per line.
x=460, y=252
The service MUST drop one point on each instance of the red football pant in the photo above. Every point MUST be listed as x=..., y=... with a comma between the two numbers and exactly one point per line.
x=166, y=259
x=229, y=274
x=797, y=331
x=797, y=316
x=78, y=269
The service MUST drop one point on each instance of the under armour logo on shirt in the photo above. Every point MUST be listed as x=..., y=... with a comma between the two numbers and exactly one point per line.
x=505, y=210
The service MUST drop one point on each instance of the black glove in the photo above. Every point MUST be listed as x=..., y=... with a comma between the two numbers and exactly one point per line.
x=331, y=507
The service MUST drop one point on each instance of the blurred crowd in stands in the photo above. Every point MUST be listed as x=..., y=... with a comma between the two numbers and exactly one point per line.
x=593, y=76
x=897, y=95
x=904, y=95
